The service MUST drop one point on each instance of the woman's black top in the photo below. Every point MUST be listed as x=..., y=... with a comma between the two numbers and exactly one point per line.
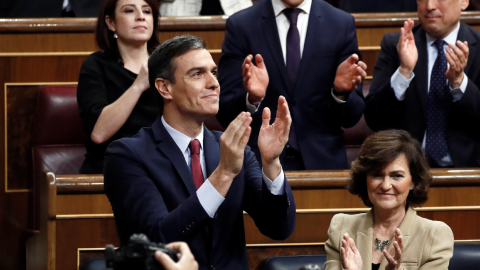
x=375, y=266
x=102, y=81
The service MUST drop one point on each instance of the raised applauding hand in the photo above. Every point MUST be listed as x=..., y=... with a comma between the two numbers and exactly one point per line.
x=407, y=50
x=255, y=78
x=349, y=254
x=350, y=74
x=273, y=138
x=394, y=255
x=457, y=57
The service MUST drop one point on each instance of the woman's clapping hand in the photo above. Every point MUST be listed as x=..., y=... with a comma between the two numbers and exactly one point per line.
x=350, y=256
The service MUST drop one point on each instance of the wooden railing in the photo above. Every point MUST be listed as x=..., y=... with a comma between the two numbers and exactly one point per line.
x=77, y=221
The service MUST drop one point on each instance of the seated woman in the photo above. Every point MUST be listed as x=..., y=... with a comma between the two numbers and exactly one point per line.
x=391, y=175
x=113, y=94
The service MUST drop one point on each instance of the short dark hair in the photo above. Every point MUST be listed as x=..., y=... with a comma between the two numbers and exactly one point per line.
x=104, y=36
x=162, y=62
x=382, y=148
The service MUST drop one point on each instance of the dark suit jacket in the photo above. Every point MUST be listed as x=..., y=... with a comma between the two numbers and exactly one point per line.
x=151, y=190
x=359, y=6
x=318, y=119
x=384, y=111
x=47, y=8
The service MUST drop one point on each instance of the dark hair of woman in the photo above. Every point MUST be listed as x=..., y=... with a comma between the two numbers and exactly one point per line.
x=104, y=36
x=382, y=148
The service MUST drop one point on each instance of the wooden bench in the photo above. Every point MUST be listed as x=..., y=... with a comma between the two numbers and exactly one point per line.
x=77, y=220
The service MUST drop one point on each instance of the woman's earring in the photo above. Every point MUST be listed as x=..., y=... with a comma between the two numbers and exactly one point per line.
x=115, y=35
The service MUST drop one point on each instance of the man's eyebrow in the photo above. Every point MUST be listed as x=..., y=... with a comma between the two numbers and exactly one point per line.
x=196, y=69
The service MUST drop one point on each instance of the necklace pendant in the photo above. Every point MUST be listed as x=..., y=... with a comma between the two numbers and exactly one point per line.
x=381, y=245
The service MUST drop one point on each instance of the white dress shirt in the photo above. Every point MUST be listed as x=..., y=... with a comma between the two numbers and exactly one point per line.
x=207, y=195
x=283, y=24
x=400, y=84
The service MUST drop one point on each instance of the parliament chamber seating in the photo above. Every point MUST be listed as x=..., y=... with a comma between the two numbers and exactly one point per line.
x=465, y=256
x=58, y=138
x=77, y=220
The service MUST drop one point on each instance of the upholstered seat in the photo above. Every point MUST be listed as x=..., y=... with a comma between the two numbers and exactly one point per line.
x=57, y=139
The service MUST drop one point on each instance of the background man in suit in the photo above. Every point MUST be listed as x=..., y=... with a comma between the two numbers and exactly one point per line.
x=310, y=51
x=427, y=83
x=155, y=180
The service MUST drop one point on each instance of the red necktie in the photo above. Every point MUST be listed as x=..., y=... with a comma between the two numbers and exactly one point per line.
x=197, y=173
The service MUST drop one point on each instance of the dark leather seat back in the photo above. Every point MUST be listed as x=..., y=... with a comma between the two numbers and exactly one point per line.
x=294, y=262
x=58, y=137
x=465, y=256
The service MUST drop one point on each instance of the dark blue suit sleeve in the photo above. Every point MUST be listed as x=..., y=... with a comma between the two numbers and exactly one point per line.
x=274, y=215
x=138, y=203
x=383, y=109
x=233, y=94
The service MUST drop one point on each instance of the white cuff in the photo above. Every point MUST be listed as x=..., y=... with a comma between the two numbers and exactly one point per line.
x=457, y=93
x=209, y=198
x=400, y=84
x=252, y=108
x=276, y=186
x=339, y=101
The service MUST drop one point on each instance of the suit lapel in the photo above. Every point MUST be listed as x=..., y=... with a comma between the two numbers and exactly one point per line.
x=270, y=31
x=313, y=32
x=170, y=149
x=212, y=155
x=364, y=238
x=464, y=35
x=421, y=68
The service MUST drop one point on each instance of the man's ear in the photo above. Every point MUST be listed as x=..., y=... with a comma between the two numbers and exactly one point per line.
x=465, y=4
x=164, y=87
x=110, y=23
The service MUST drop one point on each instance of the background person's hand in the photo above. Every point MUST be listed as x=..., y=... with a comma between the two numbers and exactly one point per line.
x=457, y=57
x=350, y=74
x=186, y=259
x=255, y=78
x=141, y=82
x=407, y=50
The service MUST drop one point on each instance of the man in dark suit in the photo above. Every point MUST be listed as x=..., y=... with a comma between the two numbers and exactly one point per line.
x=178, y=181
x=426, y=82
x=311, y=61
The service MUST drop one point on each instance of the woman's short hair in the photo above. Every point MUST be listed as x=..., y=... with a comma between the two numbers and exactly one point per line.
x=382, y=148
x=104, y=36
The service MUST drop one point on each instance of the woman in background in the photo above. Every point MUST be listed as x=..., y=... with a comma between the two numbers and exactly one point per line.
x=391, y=175
x=113, y=94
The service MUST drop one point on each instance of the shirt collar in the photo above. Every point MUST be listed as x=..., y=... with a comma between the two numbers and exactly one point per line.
x=181, y=139
x=279, y=6
x=451, y=38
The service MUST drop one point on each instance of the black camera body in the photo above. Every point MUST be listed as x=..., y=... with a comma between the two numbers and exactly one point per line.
x=138, y=254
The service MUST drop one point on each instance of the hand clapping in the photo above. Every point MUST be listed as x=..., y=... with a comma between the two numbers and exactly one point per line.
x=349, y=254
x=407, y=50
x=350, y=74
x=273, y=138
x=394, y=255
x=255, y=78
x=457, y=57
